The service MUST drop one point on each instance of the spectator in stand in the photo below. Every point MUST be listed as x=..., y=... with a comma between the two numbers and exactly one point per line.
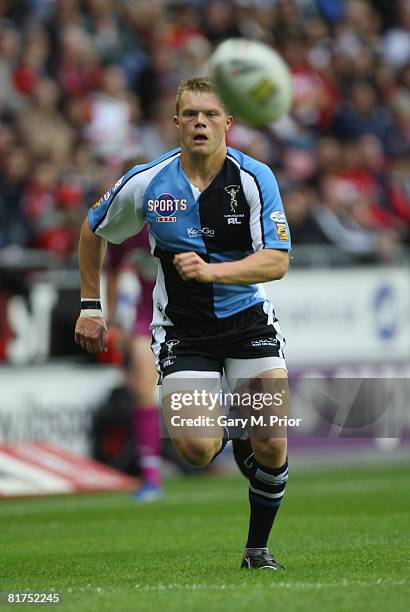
x=344, y=218
x=361, y=114
x=302, y=208
x=111, y=130
x=33, y=62
x=43, y=128
x=396, y=41
x=14, y=228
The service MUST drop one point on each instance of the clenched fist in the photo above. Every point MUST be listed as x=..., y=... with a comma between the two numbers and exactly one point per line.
x=191, y=266
x=91, y=334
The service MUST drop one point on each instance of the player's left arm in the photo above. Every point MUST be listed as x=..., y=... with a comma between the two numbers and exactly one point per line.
x=260, y=267
x=269, y=232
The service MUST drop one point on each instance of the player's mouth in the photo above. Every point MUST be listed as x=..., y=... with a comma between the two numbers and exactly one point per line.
x=200, y=138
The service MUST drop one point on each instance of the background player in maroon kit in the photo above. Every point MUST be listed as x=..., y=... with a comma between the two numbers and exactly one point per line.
x=134, y=255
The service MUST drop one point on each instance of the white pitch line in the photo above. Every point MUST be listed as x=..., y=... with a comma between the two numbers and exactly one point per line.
x=174, y=586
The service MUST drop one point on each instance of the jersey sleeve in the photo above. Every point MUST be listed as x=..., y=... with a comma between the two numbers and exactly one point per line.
x=268, y=224
x=119, y=213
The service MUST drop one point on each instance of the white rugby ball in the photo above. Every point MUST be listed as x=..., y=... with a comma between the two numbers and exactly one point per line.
x=252, y=80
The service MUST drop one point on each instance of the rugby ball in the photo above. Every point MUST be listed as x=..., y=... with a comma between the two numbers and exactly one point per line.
x=252, y=80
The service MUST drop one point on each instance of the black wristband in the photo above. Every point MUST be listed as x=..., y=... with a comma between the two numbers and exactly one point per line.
x=91, y=304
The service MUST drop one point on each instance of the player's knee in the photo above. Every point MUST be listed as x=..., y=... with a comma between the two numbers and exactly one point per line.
x=270, y=451
x=197, y=452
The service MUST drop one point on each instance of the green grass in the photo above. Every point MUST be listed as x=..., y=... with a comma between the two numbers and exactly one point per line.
x=342, y=534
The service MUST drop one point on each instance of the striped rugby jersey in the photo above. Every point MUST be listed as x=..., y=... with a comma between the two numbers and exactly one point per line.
x=239, y=213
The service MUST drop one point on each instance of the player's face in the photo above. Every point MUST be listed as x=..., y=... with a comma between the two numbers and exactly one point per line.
x=202, y=123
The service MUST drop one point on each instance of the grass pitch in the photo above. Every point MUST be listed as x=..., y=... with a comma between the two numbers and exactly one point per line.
x=344, y=536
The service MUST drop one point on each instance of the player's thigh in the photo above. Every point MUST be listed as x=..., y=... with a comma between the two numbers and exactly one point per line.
x=191, y=407
x=190, y=403
x=260, y=390
x=190, y=386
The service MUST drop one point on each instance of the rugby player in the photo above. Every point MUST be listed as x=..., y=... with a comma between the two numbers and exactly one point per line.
x=217, y=226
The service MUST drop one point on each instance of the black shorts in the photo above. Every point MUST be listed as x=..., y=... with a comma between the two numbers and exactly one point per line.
x=250, y=334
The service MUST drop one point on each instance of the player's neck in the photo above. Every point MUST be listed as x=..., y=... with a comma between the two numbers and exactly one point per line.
x=202, y=170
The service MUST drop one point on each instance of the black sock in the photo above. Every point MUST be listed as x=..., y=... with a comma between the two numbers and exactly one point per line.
x=266, y=489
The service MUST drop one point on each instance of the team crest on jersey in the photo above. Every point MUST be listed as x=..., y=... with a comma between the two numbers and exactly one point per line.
x=166, y=206
x=232, y=190
x=282, y=230
x=233, y=219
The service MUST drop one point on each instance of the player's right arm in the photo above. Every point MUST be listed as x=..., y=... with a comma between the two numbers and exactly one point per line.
x=114, y=217
x=91, y=331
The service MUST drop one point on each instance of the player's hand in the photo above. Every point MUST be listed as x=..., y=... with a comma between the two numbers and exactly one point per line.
x=91, y=334
x=191, y=266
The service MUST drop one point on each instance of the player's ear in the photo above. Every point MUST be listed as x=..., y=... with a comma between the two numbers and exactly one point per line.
x=228, y=122
x=176, y=121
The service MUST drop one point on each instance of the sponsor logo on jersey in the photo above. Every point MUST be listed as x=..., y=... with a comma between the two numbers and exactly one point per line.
x=232, y=190
x=105, y=197
x=264, y=342
x=282, y=230
x=118, y=183
x=278, y=216
x=97, y=203
x=166, y=205
x=193, y=232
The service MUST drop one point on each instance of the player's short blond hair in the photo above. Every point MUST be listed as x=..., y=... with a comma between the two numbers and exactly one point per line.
x=197, y=84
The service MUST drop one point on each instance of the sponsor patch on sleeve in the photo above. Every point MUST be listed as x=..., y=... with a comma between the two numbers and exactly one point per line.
x=282, y=230
x=97, y=203
x=105, y=197
x=278, y=216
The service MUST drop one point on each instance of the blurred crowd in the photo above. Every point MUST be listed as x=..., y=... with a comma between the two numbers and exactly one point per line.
x=87, y=87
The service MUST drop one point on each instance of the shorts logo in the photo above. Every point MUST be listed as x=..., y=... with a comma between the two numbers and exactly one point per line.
x=264, y=342
x=169, y=359
x=170, y=345
x=205, y=231
x=282, y=230
x=278, y=216
x=232, y=190
x=166, y=205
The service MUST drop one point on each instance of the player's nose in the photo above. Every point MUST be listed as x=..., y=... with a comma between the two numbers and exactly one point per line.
x=201, y=119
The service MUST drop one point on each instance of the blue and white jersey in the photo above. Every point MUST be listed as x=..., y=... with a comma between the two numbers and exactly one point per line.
x=239, y=213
